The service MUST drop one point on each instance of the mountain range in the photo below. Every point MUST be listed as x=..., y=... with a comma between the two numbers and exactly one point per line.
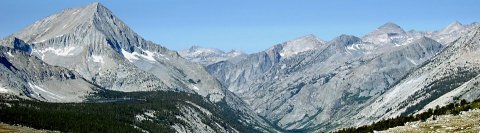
x=88, y=55
x=350, y=80
x=73, y=54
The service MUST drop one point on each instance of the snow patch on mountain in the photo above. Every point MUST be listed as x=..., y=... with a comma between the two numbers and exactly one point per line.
x=66, y=51
x=412, y=61
x=150, y=56
x=195, y=87
x=146, y=116
x=98, y=59
x=3, y=90
x=41, y=92
x=129, y=56
x=10, y=54
x=360, y=47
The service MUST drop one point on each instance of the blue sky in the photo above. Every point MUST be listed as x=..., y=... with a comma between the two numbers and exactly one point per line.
x=252, y=25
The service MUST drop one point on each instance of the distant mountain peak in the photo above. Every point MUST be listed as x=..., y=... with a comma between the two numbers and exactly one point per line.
x=194, y=48
x=390, y=27
x=301, y=44
x=87, y=12
x=456, y=22
x=94, y=20
x=384, y=34
x=387, y=28
x=95, y=4
x=236, y=51
x=309, y=37
x=67, y=21
x=207, y=56
x=346, y=40
x=452, y=27
x=203, y=50
x=96, y=7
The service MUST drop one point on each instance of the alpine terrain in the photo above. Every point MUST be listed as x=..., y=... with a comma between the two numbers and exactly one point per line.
x=307, y=84
x=77, y=53
x=207, y=56
x=84, y=70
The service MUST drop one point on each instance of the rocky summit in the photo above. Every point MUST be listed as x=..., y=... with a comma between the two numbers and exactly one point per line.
x=71, y=55
x=84, y=70
x=343, y=82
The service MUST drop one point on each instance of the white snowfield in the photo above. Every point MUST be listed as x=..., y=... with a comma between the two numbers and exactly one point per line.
x=3, y=90
x=150, y=56
x=98, y=59
x=67, y=51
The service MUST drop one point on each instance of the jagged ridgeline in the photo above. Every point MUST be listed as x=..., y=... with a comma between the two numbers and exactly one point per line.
x=307, y=84
x=86, y=64
x=79, y=53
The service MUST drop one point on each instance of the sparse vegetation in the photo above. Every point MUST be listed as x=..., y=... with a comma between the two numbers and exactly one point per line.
x=436, y=89
x=452, y=108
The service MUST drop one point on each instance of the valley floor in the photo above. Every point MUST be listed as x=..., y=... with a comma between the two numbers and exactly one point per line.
x=6, y=128
x=467, y=122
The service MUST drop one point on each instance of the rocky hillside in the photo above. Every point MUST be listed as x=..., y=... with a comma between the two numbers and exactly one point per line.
x=29, y=77
x=466, y=122
x=207, y=56
x=93, y=49
x=333, y=81
x=87, y=60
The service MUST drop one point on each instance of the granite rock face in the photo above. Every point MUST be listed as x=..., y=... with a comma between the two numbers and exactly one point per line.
x=29, y=77
x=93, y=49
x=324, y=87
x=104, y=50
x=304, y=84
x=207, y=56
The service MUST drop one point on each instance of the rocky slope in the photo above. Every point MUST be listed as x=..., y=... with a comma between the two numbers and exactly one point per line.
x=449, y=76
x=300, y=85
x=29, y=77
x=333, y=81
x=388, y=33
x=238, y=73
x=92, y=43
x=466, y=122
x=207, y=56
